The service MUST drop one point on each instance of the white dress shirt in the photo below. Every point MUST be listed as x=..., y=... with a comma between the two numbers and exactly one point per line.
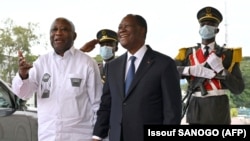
x=139, y=55
x=68, y=89
x=211, y=47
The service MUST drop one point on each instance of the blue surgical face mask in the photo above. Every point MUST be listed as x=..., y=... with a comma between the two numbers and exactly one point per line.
x=106, y=52
x=207, y=31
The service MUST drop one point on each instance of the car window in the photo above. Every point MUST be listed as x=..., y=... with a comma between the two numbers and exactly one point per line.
x=7, y=100
x=16, y=122
x=4, y=100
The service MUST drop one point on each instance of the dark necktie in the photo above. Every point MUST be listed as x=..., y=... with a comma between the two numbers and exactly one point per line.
x=130, y=75
x=206, y=53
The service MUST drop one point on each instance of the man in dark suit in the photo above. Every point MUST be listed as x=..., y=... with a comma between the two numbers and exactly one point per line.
x=154, y=96
x=208, y=103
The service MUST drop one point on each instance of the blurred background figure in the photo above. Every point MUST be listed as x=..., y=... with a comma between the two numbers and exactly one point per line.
x=107, y=39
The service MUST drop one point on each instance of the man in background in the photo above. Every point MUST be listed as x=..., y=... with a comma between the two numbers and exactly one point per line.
x=107, y=39
x=210, y=71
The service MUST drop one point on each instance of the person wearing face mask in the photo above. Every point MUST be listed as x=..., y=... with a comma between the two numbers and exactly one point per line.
x=108, y=41
x=108, y=44
x=209, y=103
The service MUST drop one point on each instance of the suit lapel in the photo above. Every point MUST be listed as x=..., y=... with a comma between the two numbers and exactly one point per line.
x=144, y=66
x=120, y=74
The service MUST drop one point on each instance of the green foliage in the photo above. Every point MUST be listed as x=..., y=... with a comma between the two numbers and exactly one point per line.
x=243, y=100
x=12, y=39
x=234, y=112
x=98, y=59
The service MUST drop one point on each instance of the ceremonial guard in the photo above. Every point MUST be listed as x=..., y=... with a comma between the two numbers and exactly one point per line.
x=210, y=70
x=108, y=41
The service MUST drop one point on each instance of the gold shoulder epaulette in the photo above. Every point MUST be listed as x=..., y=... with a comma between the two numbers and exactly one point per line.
x=237, y=57
x=237, y=54
x=181, y=55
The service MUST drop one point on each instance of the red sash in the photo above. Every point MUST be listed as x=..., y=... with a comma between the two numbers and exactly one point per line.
x=201, y=59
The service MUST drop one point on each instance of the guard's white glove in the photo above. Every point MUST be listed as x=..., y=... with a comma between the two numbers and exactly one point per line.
x=215, y=62
x=201, y=71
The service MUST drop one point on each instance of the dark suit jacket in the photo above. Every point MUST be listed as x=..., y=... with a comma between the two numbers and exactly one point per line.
x=153, y=98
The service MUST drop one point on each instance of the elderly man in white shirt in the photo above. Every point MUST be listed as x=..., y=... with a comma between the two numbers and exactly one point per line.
x=68, y=87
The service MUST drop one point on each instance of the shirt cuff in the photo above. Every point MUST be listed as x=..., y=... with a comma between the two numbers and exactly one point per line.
x=96, y=137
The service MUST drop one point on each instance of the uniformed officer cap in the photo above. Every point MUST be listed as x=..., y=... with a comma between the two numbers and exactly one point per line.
x=106, y=35
x=209, y=14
